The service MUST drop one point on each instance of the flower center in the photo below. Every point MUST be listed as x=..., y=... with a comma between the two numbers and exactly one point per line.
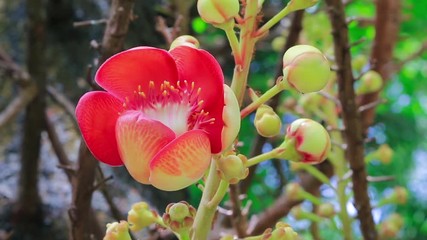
x=178, y=107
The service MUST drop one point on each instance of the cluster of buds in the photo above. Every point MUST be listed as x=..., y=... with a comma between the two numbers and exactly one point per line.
x=232, y=168
x=281, y=231
x=185, y=40
x=267, y=122
x=326, y=210
x=117, y=231
x=141, y=216
x=391, y=226
x=306, y=141
x=179, y=217
x=305, y=68
x=370, y=82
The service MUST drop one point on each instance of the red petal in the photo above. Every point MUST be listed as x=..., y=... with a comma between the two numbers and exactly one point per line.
x=200, y=67
x=139, y=139
x=124, y=72
x=182, y=162
x=97, y=113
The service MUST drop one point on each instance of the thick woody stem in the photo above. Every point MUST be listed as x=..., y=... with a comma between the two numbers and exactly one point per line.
x=351, y=117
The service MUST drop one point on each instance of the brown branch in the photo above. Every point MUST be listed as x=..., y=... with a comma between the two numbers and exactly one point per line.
x=284, y=203
x=63, y=101
x=26, y=95
x=238, y=220
x=387, y=23
x=292, y=39
x=351, y=117
x=113, y=41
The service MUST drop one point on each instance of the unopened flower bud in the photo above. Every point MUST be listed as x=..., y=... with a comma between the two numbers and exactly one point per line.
x=283, y=231
x=218, y=11
x=390, y=227
x=295, y=5
x=185, y=40
x=305, y=68
x=267, y=123
x=232, y=168
x=398, y=196
x=117, y=231
x=179, y=217
x=278, y=43
x=141, y=216
x=326, y=210
x=384, y=154
x=359, y=62
x=298, y=213
x=370, y=82
x=293, y=191
x=311, y=103
x=306, y=141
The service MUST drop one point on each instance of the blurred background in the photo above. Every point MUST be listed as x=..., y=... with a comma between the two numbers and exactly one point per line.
x=57, y=44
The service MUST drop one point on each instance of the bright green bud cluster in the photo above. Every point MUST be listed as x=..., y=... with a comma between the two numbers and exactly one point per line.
x=305, y=68
x=267, y=123
x=141, y=216
x=117, y=231
x=306, y=141
x=370, y=82
x=391, y=226
x=326, y=210
x=185, y=40
x=179, y=217
x=218, y=12
x=232, y=168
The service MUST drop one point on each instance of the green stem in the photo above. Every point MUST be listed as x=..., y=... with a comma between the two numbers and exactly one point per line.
x=317, y=174
x=246, y=47
x=220, y=193
x=310, y=197
x=261, y=100
x=261, y=158
x=341, y=168
x=206, y=212
x=273, y=21
x=234, y=42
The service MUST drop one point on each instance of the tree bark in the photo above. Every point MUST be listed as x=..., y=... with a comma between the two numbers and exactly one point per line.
x=28, y=214
x=352, y=119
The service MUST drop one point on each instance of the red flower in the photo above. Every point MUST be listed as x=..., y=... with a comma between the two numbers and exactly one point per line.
x=163, y=115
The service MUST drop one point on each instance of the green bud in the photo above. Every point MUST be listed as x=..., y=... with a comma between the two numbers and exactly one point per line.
x=293, y=191
x=278, y=43
x=384, y=154
x=283, y=231
x=359, y=62
x=141, y=216
x=311, y=103
x=390, y=227
x=326, y=210
x=218, y=12
x=179, y=217
x=117, y=231
x=370, y=82
x=398, y=196
x=295, y=5
x=306, y=141
x=185, y=40
x=305, y=68
x=267, y=123
x=232, y=168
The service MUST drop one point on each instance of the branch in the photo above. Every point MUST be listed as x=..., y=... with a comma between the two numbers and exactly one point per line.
x=292, y=39
x=351, y=117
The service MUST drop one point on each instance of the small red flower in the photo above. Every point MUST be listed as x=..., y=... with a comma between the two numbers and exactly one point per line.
x=163, y=114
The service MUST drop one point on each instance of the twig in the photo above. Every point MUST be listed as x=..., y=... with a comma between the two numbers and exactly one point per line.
x=89, y=23
x=381, y=178
x=371, y=105
x=351, y=117
x=63, y=101
x=238, y=220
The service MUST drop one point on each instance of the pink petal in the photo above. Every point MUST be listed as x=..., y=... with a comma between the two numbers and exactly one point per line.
x=97, y=113
x=200, y=67
x=182, y=162
x=124, y=72
x=139, y=139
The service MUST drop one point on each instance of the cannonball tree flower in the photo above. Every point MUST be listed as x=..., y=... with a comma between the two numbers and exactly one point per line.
x=163, y=114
